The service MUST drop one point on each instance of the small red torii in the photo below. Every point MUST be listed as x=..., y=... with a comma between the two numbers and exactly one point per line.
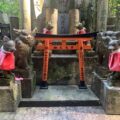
x=47, y=44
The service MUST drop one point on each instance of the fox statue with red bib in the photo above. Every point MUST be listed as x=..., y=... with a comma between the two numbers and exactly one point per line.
x=7, y=59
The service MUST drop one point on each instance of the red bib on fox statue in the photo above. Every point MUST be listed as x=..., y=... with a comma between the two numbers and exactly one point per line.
x=48, y=28
x=81, y=29
x=46, y=31
x=114, y=61
x=7, y=59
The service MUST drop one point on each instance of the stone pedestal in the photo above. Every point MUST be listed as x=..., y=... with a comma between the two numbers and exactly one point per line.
x=96, y=84
x=28, y=83
x=109, y=95
x=10, y=97
x=110, y=98
x=100, y=73
x=28, y=86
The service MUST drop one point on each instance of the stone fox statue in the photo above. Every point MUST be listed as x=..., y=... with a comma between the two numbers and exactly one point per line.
x=7, y=61
x=7, y=55
x=24, y=44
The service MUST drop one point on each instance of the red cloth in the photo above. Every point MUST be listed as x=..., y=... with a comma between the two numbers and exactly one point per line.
x=8, y=62
x=2, y=57
x=114, y=61
x=82, y=31
x=46, y=31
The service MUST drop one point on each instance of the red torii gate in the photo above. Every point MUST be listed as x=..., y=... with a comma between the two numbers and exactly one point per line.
x=47, y=44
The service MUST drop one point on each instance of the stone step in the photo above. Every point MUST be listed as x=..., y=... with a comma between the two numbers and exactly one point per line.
x=61, y=95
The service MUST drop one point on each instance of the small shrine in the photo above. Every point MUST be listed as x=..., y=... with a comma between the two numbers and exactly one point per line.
x=60, y=53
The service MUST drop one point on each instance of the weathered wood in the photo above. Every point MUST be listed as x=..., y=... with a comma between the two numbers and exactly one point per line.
x=52, y=17
x=73, y=20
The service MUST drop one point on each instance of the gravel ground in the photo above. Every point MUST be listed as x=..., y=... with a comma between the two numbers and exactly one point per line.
x=59, y=113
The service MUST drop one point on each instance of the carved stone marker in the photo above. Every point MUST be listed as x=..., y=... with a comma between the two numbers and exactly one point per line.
x=63, y=23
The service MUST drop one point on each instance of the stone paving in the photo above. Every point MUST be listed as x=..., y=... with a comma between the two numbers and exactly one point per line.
x=62, y=93
x=58, y=113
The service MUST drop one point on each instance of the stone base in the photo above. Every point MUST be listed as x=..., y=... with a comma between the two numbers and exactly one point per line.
x=96, y=84
x=10, y=97
x=28, y=86
x=61, y=95
x=110, y=98
x=109, y=95
x=100, y=73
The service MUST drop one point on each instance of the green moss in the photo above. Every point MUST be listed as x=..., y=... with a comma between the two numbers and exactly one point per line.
x=60, y=72
x=5, y=80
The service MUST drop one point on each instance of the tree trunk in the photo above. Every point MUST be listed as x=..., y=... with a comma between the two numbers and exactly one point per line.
x=118, y=19
x=102, y=15
x=91, y=16
x=84, y=7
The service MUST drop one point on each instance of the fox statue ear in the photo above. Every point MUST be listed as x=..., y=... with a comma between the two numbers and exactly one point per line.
x=6, y=39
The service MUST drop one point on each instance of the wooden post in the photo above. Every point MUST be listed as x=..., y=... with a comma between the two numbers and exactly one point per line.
x=52, y=16
x=73, y=20
x=102, y=15
x=26, y=14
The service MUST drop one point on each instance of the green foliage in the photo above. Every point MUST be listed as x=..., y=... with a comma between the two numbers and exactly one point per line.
x=114, y=6
x=11, y=7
